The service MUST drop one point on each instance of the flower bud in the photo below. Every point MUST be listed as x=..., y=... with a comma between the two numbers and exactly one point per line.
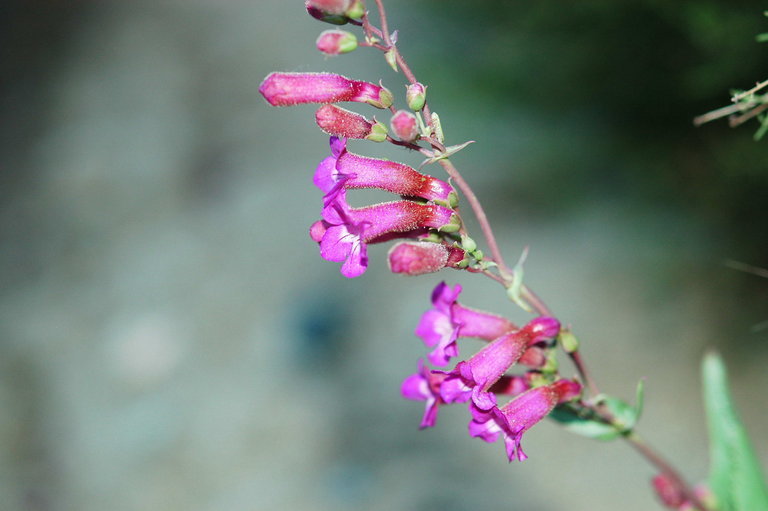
x=336, y=42
x=330, y=6
x=355, y=10
x=668, y=491
x=329, y=11
x=288, y=89
x=416, y=96
x=411, y=258
x=333, y=19
x=343, y=123
x=405, y=126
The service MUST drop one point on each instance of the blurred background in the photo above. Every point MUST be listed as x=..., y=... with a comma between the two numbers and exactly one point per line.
x=170, y=338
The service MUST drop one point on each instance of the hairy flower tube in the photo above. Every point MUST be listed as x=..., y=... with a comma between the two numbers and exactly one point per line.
x=447, y=320
x=348, y=230
x=522, y=413
x=418, y=258
x=288, y=89
x=343, y=123
x=474, y=377
x=350, y=170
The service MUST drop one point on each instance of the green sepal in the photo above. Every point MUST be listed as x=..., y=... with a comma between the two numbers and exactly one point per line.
x=568, y=341
x=735, y=476
x=391, y=57
x=516, y=287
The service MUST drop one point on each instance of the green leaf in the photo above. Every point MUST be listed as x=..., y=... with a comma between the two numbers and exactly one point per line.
x=589, y=428
x=624, y=414
x=735, y=474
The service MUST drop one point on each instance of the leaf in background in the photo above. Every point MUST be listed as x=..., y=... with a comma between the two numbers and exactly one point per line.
x=735, y=474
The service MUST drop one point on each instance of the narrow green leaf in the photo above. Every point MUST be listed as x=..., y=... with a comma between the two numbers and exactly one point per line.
x=639, y=400
x=735, y=477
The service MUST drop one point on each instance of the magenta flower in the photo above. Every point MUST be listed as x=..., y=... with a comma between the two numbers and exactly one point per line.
x=520, y=414
x=354, y=171
x=474, y=377
x=288, y=89
x=348, y=230
x=424, y=386
x=448, y=320
x=343, y=123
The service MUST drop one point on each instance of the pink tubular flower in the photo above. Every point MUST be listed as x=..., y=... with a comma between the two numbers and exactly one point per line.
x=474, y=377
x=350, y=170
x=349, y=230
x=447, y=320
x=520, y=414
x=424, y=386
x=418, y=258
x=288, y=89
x=336, y=42
x=343, y=123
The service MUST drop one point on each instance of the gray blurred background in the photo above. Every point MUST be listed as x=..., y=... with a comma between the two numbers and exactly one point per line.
x=170, y=338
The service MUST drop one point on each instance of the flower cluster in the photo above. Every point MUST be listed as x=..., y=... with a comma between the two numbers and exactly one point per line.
x=343, y=233
x=426, y=217
x=483, y=376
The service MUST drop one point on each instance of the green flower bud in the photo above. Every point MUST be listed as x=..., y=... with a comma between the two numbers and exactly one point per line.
x=416, y=96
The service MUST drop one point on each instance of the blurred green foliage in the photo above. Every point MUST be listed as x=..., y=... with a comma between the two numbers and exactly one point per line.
x=594, y=100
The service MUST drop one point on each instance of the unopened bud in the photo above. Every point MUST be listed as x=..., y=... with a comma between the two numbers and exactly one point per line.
x=468, y=243
x=329, y=6
x=405, y=126
x=333, y=19
x=417, y=258
x=343, y=123
x=416, y=96
x=336, y=42
x=356, y=10
x=668, y=491
x=568, y=341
